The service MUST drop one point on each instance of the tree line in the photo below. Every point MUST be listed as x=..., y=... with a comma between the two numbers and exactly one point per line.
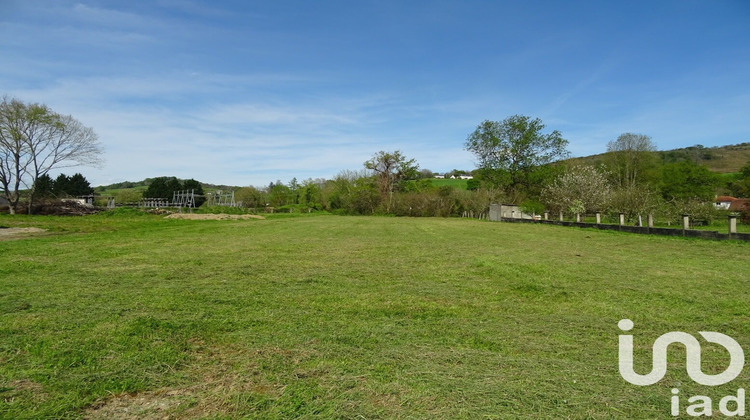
x=519, y=162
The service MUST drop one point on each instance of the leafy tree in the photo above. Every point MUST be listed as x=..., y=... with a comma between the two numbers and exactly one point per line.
x=426, y=173
x=352, y=192
x=416, y=185
x=391, y=168
x=34, y=140
x=532, y=207
x=250, y=197
x=631, y=159
x=311, y=193
x=741, y=186
x=687, y=180
x=514, y=146
x=473, y=184
x=493, y=177
x=279, y=194
x=294, y=190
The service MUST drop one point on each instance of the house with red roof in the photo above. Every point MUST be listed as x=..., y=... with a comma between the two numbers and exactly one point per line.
x=723, y=202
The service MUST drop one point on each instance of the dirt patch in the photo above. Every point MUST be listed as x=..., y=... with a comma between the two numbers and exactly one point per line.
x=145, y=405
x=17, y=233
x=191, y=216
x=22, y=389
x=219, y=376
x=25, y=385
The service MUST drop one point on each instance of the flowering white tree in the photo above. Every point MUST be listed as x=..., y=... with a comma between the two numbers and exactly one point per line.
x=579, y=189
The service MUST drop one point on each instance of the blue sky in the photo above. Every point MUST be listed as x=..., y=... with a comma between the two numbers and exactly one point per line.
x=248, y=92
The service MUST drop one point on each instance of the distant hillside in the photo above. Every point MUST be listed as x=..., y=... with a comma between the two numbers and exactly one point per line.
x=721, y=159
x=142, y=185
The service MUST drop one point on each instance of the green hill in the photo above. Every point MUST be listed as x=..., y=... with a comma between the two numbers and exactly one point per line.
x=721, y=159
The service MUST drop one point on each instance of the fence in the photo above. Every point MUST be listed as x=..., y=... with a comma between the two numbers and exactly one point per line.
x=499, y=212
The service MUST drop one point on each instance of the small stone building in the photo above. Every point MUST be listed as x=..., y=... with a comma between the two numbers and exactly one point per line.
x=507, y=211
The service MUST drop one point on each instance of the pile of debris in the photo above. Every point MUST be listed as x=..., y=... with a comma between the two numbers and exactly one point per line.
x=64, y=208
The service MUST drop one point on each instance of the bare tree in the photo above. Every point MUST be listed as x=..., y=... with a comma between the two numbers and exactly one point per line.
x=34, y=140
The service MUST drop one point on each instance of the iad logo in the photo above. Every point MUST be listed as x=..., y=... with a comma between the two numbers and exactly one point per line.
x=693, y=357
x=702, y=406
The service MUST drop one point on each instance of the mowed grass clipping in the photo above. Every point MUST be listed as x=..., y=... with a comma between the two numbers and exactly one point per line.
x=125, y=316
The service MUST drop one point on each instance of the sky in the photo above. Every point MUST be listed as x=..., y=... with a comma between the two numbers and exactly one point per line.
x=250, y=92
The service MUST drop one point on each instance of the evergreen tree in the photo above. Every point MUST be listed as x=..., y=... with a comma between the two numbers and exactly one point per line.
x=78, y=185
x=43, y=186
x=60, y=186
x=163, y=187
x=191, y=184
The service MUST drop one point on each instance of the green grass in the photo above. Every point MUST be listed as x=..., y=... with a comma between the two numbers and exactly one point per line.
x=351, y=317
x=461, y=184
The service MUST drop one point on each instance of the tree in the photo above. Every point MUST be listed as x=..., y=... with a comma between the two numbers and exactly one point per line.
x=60, y=185
x=33, y=140
x=250, y=197
x=71, y=186
x=514, y=146
x=740, y=187
x=635, y=200
x=391, y=168
x=311, y=193
x=279, y=194
x=473, y=184
x=197, y=188
x=79, y=185
x=688, y=180
x=580, y=189
x=631, y=159
x=163, y=187
x=44, y=186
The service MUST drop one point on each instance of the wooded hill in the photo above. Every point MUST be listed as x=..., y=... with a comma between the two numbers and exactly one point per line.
x=721, y=159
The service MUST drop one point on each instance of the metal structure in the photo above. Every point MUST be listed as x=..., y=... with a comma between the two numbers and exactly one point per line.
x=184, y=198
x=180, y=199
x=90, y=200
x=154, y=203
x=221, y=198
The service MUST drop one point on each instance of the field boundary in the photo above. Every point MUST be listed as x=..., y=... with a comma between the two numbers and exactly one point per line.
x=643, y=230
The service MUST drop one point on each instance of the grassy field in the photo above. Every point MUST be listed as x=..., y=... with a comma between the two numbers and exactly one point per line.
x=455, y=183
x=138, y=316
